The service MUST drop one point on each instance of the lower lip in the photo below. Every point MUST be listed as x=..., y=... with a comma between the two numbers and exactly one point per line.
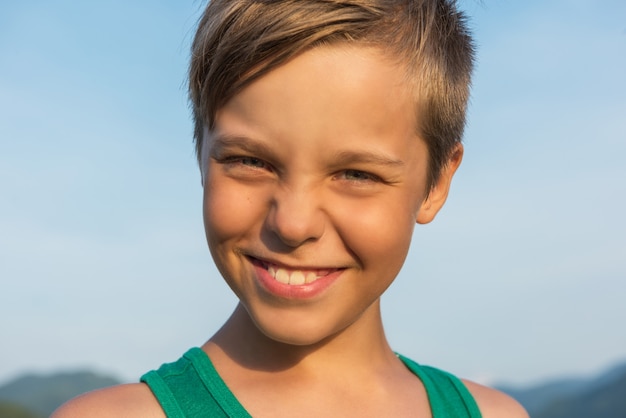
x=286, y=291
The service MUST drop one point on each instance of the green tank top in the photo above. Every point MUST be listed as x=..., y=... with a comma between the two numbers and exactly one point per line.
x=191, y=387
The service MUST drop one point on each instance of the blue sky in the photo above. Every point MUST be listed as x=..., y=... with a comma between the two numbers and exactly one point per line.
x=103, y=262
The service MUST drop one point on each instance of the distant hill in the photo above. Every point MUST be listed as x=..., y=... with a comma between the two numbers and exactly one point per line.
x=42, y=394
x=11, y=410
x=607, y=401
x=603, y=396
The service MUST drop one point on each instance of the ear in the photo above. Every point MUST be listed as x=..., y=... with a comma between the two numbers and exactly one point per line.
x=439, y=193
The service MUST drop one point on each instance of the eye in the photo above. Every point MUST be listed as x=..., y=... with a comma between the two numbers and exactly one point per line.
x=358, y=176
x=246, y=161
x=251, y=161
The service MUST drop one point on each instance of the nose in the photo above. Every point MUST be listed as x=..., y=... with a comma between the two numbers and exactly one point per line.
x=295, y=217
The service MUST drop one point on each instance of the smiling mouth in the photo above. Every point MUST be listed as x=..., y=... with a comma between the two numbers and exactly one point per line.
x=291, y=276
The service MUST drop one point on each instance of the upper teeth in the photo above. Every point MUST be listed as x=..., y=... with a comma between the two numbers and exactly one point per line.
x=293, y=277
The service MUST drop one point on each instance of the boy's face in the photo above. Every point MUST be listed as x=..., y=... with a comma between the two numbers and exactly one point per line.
x=313, y=182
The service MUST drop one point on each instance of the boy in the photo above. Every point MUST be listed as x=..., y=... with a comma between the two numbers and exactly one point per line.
x=325, y=129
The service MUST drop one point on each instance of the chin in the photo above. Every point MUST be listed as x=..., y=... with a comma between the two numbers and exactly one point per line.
x=291, y=329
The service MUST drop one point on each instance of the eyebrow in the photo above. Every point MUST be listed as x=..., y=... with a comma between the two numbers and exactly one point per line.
x=219, y=142
x=367, y=157
x=225, y=141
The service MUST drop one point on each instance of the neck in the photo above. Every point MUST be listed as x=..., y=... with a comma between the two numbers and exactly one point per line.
x=362, y=342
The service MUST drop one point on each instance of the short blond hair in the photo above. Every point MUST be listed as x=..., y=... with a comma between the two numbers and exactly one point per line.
x=238, y=41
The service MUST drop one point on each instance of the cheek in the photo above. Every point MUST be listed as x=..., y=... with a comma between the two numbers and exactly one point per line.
x=380, y=234
x=228, y=211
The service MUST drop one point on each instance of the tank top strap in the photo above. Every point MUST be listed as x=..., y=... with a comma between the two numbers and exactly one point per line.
x=448, y=396
x=191, y=387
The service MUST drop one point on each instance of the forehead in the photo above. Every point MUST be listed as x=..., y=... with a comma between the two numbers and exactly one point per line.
x=340, y=90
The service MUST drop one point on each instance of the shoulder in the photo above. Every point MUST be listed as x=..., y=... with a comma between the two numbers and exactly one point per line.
x=129, y=400
x=493, y=403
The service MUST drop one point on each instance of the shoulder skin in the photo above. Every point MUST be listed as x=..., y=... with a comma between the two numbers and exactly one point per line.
x=495, y=404
x=131, y=400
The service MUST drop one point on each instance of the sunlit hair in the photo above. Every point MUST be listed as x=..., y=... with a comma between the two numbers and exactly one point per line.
x=238, y=41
